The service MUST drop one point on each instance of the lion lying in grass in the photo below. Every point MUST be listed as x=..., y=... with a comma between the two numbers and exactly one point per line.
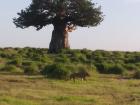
x=81, y=74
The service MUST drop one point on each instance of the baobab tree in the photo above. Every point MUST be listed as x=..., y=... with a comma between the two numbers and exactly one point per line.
x=64, y=15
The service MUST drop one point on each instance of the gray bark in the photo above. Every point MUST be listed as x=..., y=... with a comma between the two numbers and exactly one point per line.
x=59, y=39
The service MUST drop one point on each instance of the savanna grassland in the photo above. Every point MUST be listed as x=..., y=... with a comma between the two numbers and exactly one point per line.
x=97, y=90
x=31, y=76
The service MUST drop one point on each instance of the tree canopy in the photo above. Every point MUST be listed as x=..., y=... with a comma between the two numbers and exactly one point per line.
x=83, y=13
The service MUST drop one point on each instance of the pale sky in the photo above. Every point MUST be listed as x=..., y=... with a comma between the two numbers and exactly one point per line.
x=119, y=30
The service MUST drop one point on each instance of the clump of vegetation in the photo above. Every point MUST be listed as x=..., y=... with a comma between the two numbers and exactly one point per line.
x=33, y=60
x=56, y=71
x=82, y=68
x=11, y=69
x=137, y=75
x=16, y=61
x=109, y=68
x=116, y=69
x=62, y=58
x=63, y=71
x=31, y=69
x=103, y=67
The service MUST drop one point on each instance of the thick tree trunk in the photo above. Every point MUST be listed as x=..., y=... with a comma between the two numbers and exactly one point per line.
x=59, y=39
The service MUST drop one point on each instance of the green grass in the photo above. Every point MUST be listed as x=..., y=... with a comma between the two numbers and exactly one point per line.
x=6, y=100
x=97, y=90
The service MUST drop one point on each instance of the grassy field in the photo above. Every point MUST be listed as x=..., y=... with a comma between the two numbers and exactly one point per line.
x=97, y=90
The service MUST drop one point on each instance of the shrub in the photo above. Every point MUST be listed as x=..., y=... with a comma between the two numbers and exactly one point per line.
x=116, y=69
x=62, y=58
x=56, y=71
x=17, y=62
x=93, y=67
x=131, y=67
x=83, y=59
x=12, y=68
x=82, y=69
x=109, y=68
x=31, y=69
x=136, y=75
x=27, y=63
x=41, y=65
x=103, y=67
x=75, y=55
x=45, y=59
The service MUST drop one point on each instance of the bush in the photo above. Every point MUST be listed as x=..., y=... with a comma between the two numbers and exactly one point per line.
x=83, y=59
x=131, y=67
x=93, y=67
x=103, y=67
x=31, y=69
x=116, y=69
x=45, y=59
x=110, y=68
x=56, y=71
x=27, y=63
x=75, y=55
x=41, y=65
x=82, y=69
x=17, y=62
x=12, y=68
x=62, y=58
x=137, y=75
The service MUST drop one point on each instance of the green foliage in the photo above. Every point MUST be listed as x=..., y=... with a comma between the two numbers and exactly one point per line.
x=41, y=13
x=137, y=75
x=77, y=56
x=131, y=67
x=8, y=53
x=7, y=100
x=33, y=60
x=45, y=59
x=17, y=61
x=103, y=67
x=62, y=58
x=110, y=68
x=116, y=69
x=56, y=71
x=31, y=69
x=63, y=71
x=12, y=69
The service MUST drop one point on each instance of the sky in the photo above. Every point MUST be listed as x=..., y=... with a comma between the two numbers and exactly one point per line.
x=120, y=29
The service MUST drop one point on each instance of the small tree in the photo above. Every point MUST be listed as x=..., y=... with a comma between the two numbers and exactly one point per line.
x=64, y=15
